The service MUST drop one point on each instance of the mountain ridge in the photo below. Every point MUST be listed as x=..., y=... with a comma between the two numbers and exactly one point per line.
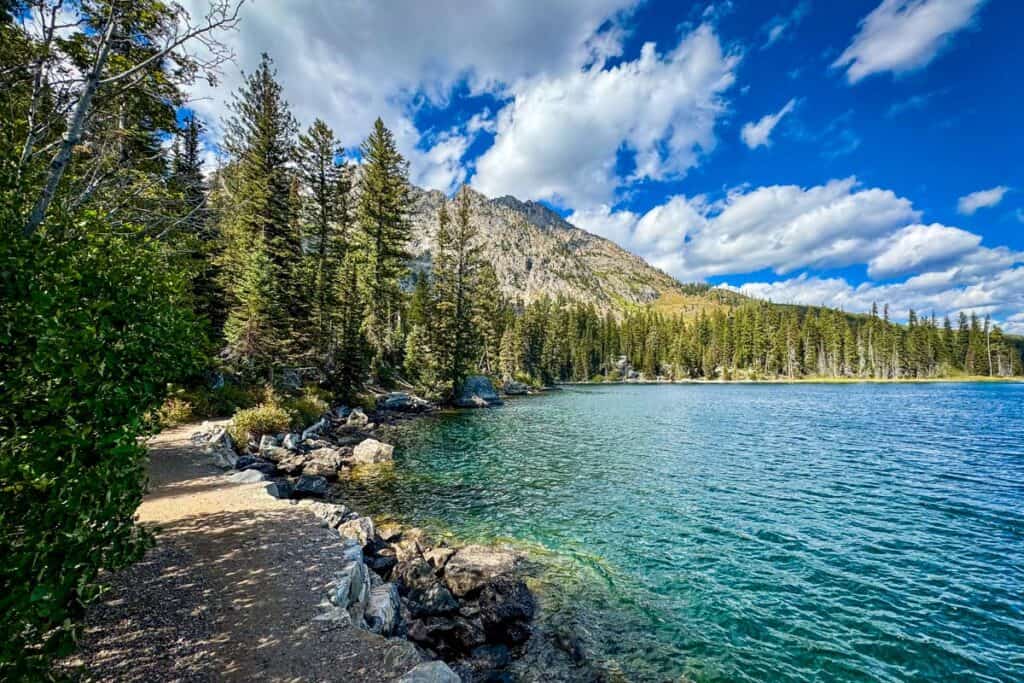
x=536, y=253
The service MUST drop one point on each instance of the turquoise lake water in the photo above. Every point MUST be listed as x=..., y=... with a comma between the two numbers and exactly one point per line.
x=748, y=532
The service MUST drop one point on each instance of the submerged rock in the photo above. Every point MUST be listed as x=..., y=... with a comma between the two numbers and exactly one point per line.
x=506, y=608
x=371, y=451
x=477, y=392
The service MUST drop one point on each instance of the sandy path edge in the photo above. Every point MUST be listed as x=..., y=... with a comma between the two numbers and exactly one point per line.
x=229, y=592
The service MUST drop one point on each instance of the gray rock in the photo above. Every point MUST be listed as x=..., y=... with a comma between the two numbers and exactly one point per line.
x=382, y=609
x=402, y=402
x=477, y=392
x=224, y=458
x=513, y=388
x=249, y=462
x=294, y=464
x=310, y=487
x=280, y=489
x=433, y=600
x=371, y=451
x=268, y=441
x=341, y=412
x=275, y=453
x=474, y=566
x=313, y=429
x=331, y=515
x=430, y=672
x=357, y=419
x=247, y=477
x=291, y=442
x=324, y=462
x=359, y=529
x=349, y=588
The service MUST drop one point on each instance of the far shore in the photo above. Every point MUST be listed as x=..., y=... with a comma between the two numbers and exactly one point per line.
x=972, y=379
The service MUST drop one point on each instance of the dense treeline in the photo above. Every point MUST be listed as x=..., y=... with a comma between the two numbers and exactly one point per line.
x=554, y=341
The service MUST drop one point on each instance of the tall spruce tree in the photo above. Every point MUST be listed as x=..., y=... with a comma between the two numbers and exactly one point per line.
x=197, y=230
x=457, y=267
x=348, y=367
x=326, y=212
x=258, y=216
x=382, y=216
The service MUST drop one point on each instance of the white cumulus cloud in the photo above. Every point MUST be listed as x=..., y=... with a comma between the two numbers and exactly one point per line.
x=757, y=134
x=982, y=199
x=904, y=35
x=559, y=139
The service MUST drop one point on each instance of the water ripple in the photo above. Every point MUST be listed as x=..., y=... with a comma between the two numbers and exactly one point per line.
x=749, y=533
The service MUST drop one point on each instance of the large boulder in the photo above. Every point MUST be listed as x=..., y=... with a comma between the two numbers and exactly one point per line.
x=382, y=609
x=267, y=441
x=359, y=530
x=371, y=451
x=403, y=402
x=430, y=672
x=224, y=458
x=313, y=429
x=281, y=489
x=477, y=392
x=310, y=487
x=323, y=462
x=513, y=388
x=474, y=566
x=331, y=515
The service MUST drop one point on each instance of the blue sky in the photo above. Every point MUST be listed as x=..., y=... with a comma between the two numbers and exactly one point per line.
x=832, y=153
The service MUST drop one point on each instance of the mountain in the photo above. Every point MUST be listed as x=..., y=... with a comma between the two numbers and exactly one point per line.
x=536, y=252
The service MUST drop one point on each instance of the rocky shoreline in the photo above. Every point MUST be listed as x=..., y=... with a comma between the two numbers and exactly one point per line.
x=467, y=609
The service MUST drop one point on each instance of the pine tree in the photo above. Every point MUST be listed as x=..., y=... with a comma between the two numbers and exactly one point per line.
x=348, y=369
x=381, y=210
x=253, y=337
x=258, y=215
x=457, y=266
x=326, y=182
x=197, y=231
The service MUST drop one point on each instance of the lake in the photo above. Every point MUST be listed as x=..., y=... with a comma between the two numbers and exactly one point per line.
x=790, y=532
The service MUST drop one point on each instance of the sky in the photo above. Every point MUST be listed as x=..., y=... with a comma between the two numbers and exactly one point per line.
x=805, y=151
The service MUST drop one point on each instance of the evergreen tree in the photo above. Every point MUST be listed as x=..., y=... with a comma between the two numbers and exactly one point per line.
x=382, y=208
x=348, y=368
x=326, y=183
x=457, y=266
x=258, y=216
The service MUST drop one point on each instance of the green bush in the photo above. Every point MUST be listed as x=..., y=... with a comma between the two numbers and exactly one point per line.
x=176, y=411
x=92, y=328
x=306, y=409
x=266, y=418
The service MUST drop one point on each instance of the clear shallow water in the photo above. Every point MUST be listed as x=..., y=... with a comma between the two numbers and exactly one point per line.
x=749, y=532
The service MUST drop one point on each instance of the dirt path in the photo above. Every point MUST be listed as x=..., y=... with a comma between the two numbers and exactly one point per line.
x=230, y=590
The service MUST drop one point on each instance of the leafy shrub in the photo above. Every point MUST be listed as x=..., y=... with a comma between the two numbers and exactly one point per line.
x=94, y=327
x=306, y=409
x=266, y=418
x=176, y=411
